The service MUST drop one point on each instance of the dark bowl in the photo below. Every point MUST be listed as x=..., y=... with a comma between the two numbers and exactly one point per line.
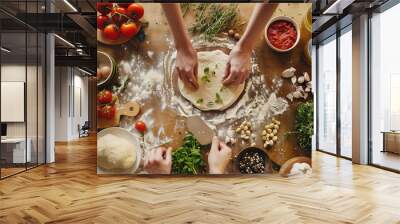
x=263, y=155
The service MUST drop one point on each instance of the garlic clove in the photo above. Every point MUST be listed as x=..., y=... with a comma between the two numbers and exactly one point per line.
x=306, y=77
x=300, y=80
x=290, y=97
x=297, y=94
x=294, y=80
x=288, y=72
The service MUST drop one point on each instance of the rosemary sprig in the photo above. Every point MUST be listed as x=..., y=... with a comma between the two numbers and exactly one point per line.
x=211, y=19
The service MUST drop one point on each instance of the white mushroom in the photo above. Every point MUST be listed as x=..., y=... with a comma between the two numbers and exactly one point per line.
x=308, y=89
x=309, y=84
x=288, y=72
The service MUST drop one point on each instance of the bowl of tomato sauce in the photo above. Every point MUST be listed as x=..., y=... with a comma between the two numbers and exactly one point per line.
x=282, y=33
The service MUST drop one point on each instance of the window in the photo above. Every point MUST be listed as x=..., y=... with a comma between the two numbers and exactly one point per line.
x=346, y=93
x=385, y=89
x=327, y=96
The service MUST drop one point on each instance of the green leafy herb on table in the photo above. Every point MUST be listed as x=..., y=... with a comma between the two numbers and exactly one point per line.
x=210, y=104
x=218, y=99
x=187, y=158
x=213, y=18
x=304, y=126
x=199, y=101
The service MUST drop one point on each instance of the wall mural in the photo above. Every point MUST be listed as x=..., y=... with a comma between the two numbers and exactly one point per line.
x=204, y=88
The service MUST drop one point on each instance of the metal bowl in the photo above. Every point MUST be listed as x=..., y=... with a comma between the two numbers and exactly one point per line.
x=103, y=59
x=122, y=133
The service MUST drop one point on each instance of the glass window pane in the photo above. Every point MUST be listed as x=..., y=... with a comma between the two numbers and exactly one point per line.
x=327, y=96
x=13, y=86
x=385, y=90
x=346, y=94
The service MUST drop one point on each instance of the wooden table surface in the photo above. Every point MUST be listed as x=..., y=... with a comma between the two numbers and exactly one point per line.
x=271, y=65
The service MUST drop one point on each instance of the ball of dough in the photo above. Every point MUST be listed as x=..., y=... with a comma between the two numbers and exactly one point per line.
x=115, y=153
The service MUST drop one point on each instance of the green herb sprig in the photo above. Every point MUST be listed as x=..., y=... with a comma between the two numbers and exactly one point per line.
x=304, y=126
x=213, y=18
x=187, y=158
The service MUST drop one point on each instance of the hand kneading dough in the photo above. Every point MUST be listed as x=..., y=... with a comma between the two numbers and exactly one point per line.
x=115, y=153
x=205, y=97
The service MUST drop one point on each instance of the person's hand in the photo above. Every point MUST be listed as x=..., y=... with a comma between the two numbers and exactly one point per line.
x=219, y=156
x=186, y=66
x=237, y=68
x=159, y=161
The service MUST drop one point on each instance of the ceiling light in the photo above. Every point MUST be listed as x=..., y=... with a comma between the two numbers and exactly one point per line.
x=84, y=71
x=5, y=50
x=70, y=5
x=65, y=41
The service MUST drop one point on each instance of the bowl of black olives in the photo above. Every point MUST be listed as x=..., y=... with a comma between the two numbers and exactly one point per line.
x=252, y=160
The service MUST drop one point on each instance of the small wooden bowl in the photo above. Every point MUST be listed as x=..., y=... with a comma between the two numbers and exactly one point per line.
x=283, y=18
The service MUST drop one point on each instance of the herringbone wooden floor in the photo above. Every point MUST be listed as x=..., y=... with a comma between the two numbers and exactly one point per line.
x=69, y=191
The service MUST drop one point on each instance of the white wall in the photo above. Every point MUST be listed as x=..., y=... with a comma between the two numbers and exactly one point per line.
x=69, y=82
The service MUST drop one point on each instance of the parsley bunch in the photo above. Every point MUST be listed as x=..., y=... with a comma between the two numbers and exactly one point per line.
x=187, y=158
x=304, y=126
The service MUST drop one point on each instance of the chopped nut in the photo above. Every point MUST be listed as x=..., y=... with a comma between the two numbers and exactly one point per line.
x=269, y=130
x=248, y=132
x=275, y=131
x=253, y=144
x=246, y=128
x=238, y=130
x=275, y=138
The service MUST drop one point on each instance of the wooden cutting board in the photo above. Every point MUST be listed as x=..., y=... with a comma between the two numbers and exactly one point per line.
x=201, y=131
x=130, y=109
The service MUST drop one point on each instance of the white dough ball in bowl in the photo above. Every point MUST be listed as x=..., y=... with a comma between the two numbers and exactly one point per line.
x=117, y=151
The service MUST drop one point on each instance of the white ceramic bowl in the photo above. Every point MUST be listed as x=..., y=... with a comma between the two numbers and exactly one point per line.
x=284, y=18
x=122, y=133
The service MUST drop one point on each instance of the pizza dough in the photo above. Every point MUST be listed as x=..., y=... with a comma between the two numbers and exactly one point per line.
x=211, y=94
x=115, y=153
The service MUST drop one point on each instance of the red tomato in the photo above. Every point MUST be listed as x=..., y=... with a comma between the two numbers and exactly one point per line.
x=124, y=5
x=104, y=97
x=129, y=29
x=111, y=32
x=135, y=11
x=104, y=8
x=118, y=15
x=102, y=21
x=108, y=111
x=140, y=126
